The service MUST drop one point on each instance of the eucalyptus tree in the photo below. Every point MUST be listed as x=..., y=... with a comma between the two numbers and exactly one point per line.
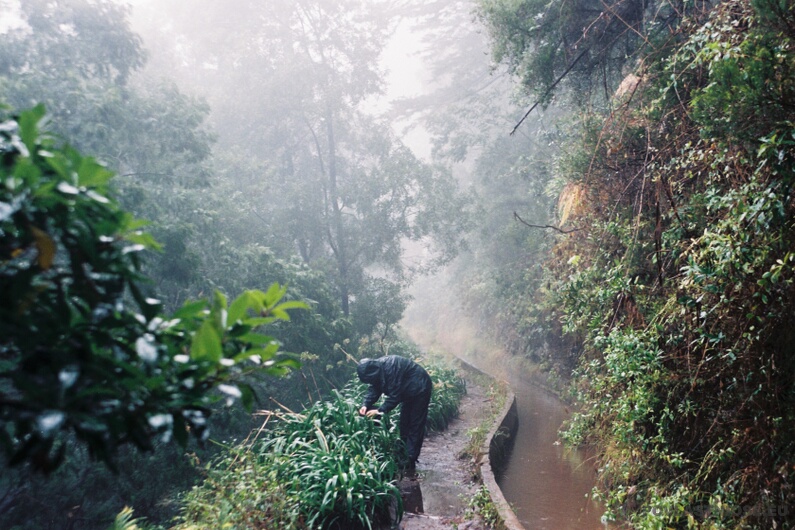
x=368, y=191
x=358, y=192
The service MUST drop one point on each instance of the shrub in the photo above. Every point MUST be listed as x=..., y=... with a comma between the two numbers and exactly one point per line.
x=326, y=467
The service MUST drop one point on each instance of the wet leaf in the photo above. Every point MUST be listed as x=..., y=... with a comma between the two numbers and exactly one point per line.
x=29, y=127
x=206, y=345
x=92, y=174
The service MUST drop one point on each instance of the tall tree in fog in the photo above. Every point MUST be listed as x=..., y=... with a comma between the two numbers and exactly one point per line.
x=78, y=57
x=293, y=81
x=469, y=109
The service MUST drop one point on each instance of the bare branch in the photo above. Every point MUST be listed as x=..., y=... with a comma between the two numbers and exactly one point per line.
x=550, y=89
x=516, y=216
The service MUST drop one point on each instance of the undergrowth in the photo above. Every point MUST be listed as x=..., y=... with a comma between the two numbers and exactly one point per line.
x=325, y=467
x=496, y=395
x=681, y=290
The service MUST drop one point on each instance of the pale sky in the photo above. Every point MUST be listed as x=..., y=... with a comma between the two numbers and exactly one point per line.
x=9, y=15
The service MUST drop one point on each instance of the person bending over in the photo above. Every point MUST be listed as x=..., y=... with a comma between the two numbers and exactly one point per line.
x=404, y=383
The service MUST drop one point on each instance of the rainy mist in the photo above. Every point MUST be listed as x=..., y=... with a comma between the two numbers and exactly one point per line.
x=212, y=211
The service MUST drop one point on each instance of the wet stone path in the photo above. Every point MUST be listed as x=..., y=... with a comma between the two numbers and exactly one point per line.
x=437, y=497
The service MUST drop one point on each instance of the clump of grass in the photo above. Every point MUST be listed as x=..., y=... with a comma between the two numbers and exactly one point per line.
x=496, y=395
x=340, y=466
x=448, y=389
x=325, y=467
x=481, y=504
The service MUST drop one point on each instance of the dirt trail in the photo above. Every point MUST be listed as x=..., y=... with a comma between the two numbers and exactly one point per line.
x=437, y=497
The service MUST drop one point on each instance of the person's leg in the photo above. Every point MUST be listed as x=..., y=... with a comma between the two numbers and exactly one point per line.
x=418, y=416
x=405, y=427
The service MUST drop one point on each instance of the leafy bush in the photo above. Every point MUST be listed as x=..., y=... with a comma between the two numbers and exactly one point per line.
x=448, y=389
x=83, y=351
x=684, y=293
x=326, y=467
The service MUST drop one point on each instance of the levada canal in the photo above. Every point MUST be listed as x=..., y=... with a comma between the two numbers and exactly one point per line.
x=547, y=484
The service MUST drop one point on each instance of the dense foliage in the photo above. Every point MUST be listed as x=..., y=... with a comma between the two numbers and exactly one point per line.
x=233, y=209
x=675, y=292
x=76, y=357
x=325, y=467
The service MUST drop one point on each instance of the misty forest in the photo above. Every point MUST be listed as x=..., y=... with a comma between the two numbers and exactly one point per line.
x=210, y=210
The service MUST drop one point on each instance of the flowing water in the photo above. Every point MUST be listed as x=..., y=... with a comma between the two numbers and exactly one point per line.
x=547, y=484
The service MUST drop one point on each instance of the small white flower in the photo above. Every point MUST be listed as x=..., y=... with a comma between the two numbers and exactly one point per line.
x=160, y=420
x=50, y=421
x=230, y=390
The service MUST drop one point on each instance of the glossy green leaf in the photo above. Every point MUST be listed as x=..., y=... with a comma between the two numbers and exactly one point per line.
x=191, y=310
x=92, y=174
x=206, y=344
x=29, y=126
x=242, y=304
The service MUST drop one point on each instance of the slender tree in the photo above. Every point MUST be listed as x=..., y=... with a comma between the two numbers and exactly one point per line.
x=293, y=90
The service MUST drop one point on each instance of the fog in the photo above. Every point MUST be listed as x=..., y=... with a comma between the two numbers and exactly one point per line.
x=502, y=180
x=433, y=62
x=365, y=142
x=356, y=152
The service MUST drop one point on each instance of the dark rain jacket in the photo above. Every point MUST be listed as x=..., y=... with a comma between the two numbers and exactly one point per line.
x=399, y=378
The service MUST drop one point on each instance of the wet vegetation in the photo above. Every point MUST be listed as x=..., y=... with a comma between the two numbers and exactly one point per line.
x=102, y=349
x=610, y=194
x=668, y=287
x=325, y=467
x=90, y=364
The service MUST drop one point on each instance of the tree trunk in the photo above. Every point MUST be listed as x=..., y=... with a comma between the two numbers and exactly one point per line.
x=338, y=232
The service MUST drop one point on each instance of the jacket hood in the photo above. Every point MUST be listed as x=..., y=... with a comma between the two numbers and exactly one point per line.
x=368, y=371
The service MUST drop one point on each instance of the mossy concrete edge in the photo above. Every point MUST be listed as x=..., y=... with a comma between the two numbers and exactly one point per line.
x=495, y=449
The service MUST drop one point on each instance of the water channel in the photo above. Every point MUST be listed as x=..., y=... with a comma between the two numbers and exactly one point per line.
x=547, y=484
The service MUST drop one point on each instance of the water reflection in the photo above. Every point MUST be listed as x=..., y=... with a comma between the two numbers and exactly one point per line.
x=548, y=484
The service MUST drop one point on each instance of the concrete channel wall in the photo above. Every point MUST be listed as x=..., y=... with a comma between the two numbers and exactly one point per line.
x=495, y=450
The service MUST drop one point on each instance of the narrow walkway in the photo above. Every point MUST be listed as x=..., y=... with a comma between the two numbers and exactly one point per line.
x=437, y=497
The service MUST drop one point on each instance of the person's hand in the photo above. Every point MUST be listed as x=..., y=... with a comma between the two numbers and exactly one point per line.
x=362, y=411
x=373, y=413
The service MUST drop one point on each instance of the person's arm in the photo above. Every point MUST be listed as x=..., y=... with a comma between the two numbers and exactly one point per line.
x=372, y=395
x=389, y=403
